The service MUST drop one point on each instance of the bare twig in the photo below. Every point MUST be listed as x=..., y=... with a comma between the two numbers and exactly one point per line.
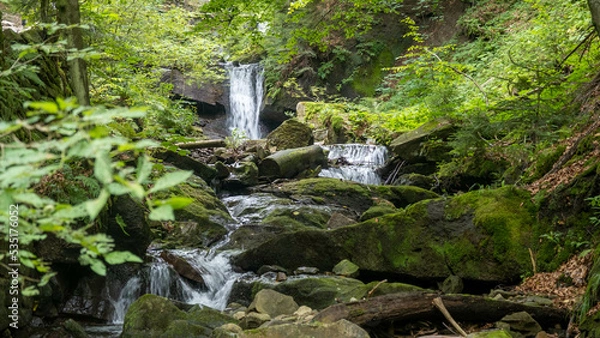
x=439, y=304
x=375, y=287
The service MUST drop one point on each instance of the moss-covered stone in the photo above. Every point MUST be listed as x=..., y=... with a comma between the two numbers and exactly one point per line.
x=482, y=235
x=153, y=316
x=201, y=222
x=377, y=211
x=298, y=217
x=290, y=134
x=321, y=292
x=149, y=316
x=208, y=317
x=420, y=145
x=346, y=268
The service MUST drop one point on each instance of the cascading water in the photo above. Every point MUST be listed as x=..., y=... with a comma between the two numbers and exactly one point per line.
x=357, y=162
x=245, y=99
x=163, y=281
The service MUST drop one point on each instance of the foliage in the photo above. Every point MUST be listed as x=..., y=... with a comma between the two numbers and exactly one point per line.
x=138, y=41
x=32, y=179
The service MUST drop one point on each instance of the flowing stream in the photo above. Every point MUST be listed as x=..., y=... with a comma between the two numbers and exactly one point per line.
x=245, y=99
x=356, y=162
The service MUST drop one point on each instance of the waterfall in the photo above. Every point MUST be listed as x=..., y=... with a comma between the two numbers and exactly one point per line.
x=357, y=162
x=245, y=99
x=217, y=273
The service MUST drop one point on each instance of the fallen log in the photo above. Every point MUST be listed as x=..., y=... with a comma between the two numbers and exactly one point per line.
x=216, y=143
x=290, y=162
x=418, y=306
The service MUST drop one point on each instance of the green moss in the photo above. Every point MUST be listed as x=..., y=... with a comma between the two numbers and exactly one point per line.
x=404, y=195
x=369, y=76
x=298, y=217
x=377, y=211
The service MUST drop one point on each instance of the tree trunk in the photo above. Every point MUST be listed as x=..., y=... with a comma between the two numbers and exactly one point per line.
x=68, y=14
x=595, y=10
x=290, y=162
x=418, y=306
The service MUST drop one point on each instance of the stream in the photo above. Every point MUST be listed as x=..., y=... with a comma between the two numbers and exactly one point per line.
x=354, y=162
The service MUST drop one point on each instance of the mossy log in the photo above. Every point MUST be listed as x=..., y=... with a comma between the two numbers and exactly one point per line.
x=418, y=306
x=216, y=143
x=290, y=162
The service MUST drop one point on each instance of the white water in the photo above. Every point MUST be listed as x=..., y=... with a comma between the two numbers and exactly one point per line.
x=216, y=271
x=359, y=162
x=245, y=99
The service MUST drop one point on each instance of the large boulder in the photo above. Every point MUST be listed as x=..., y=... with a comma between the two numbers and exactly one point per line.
x=482, y=235
x=290, y=134
x=273, y=303
x=415, y=146
x=135, y=236
x=210, y=98
x=153, y=316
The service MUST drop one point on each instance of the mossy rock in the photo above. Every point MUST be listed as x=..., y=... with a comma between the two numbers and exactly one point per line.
x=200, y=223
x=149, y=316
x=346, y=268
x=208, y=317
x=321, y=292
x=290, y=134
x=381, y=289
x=421, y=144
x=298, y=217
x=481, y=235
x=377, y=211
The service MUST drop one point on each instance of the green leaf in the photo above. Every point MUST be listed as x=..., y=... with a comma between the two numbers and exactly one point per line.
x=103, y=168
x=95, y=206
x=170, y=180
x=162, y=213
x=47, y=106
x=144, y=169
x=30, y=291
x=98, y=267
x=119, y=257
x=176, y=202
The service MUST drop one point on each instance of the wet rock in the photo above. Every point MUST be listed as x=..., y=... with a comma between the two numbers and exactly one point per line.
x=293, y=162
x=290, y=134
x=346, y=268
x=338, y=220
x=74, y=329
x=281, y=277
x=319, y=293
x=252, y=320
x=299, y=217
x=306, y=270
x=227, y=331
x=271, y=268
x=342, y=328
x=273, y=303
x=452, y=284
x=520, y=323
x=222, y=170
x=243, y=174
x=182, y=267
